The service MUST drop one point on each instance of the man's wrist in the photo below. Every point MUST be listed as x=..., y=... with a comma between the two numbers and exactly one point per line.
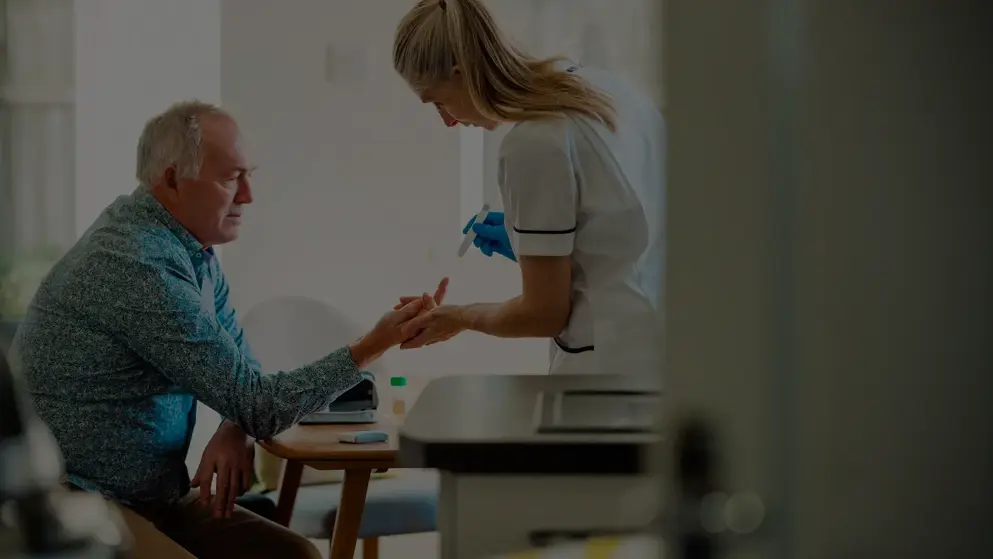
x=228, y=425
x=364, y=351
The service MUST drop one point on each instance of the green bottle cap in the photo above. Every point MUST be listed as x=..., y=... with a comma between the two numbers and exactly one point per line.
x=398, y=381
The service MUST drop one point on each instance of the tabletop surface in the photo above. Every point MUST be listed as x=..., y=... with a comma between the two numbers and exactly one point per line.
x=488, y=425
x=502, y=408
x=320, y=443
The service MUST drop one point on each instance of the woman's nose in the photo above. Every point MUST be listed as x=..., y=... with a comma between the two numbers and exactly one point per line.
x=448, y=119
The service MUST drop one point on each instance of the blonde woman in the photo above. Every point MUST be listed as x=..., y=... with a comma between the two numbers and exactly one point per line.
x=581, y=175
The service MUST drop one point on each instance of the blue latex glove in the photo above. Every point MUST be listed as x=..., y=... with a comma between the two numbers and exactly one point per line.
x=491, y=236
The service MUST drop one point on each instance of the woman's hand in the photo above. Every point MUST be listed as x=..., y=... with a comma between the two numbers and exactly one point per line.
x=491, y=236
x=436, y=324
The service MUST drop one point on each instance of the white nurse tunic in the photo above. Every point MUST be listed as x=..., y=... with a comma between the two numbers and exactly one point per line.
x=572, y=187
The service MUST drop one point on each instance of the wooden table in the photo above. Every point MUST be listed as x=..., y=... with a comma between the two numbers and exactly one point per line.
x=317, y=446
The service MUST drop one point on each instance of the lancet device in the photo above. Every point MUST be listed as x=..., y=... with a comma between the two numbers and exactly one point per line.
x=470, y=235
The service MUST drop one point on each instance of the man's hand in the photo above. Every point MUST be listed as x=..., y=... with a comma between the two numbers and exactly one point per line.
x=386, y=333
x=414, y=335
x=439, y=296
x=230, y=455
x=435, y=325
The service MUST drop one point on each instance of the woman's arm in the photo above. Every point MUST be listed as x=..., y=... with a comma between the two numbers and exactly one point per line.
x=538, y=181
x=541, y=311
x=540, y=195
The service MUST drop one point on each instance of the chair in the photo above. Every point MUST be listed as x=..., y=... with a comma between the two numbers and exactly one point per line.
x=285, y=333
x=8, y=328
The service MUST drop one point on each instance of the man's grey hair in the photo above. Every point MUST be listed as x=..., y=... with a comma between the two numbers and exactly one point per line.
x=174, y=138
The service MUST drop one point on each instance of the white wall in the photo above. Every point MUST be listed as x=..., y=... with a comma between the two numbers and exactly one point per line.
x=358, y=188
x=133, y=59
x=357, y=192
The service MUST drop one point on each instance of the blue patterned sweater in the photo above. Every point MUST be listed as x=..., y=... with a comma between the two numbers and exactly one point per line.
x=127, y=332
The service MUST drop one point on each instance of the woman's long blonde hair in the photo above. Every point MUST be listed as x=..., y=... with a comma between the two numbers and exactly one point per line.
x=504, y=83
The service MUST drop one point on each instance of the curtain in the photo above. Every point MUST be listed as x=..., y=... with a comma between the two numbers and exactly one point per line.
x=37, y=168
x=36, y=146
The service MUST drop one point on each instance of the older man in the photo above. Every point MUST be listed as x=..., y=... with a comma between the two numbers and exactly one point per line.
x=133, y=327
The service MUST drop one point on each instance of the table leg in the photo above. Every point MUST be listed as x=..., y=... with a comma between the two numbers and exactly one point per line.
x=345, y=534
x=370, y=548
x=289, y=484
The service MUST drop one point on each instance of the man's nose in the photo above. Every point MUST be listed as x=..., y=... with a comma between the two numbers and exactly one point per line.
x=244, y=194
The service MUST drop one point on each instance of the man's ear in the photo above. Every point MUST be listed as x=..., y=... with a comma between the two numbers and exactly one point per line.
x=170, y=177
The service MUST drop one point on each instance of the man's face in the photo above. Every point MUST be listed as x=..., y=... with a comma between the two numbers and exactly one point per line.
x=211, y=205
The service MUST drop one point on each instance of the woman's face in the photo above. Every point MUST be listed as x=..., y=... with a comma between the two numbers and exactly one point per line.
x=454, y=104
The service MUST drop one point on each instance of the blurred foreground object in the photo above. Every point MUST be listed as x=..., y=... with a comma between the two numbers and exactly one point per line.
x=558, y=458
x=828, y=273
x=640, y=546
x=20, y=275
x=38, y=516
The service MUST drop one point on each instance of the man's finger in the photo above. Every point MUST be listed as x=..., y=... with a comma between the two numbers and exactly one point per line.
x=246, y=480
x=234, y=489
x=408, y=311
x=221, y=499
x=205, y=481
x=439, y=294
x=195, y=482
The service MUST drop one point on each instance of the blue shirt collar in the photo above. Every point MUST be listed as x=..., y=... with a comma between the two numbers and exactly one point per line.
x=144, y=199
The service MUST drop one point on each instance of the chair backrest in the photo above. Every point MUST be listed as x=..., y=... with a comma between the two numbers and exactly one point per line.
x=288, y=332
x=7, y=331
x=291, y=331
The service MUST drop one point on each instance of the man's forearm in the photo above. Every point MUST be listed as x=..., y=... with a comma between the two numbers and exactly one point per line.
x=195, y=352
x=513, y=319
x=365, y=351
x=263, y=405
